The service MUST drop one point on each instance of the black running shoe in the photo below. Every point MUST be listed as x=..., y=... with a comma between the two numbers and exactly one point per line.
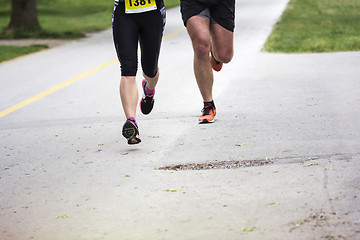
x=131, y=132
x=147, y=102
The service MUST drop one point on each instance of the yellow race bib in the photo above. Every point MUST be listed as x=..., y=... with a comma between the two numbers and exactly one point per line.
x=139, y=6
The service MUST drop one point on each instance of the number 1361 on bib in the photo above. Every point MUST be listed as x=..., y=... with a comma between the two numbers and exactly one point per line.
x=139, y=6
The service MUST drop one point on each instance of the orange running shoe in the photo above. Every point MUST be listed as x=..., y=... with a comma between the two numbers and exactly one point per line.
x=214, y=63
x=208, y=114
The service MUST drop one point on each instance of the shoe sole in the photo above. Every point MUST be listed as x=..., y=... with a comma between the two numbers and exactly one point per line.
x=205, y=121
x=131, y=133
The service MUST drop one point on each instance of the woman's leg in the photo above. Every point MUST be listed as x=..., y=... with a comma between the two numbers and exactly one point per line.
x=150, y=43
x=126, y=35
x=129, y=95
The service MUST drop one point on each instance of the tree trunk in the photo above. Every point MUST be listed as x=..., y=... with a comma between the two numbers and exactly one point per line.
x=24, y=16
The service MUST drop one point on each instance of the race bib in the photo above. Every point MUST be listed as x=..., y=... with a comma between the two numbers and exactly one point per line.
x=139, y=6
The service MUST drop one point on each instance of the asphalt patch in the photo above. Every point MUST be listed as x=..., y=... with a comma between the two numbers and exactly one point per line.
x=217, y=165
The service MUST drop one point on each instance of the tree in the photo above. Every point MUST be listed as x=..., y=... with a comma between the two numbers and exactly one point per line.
x=24, y=17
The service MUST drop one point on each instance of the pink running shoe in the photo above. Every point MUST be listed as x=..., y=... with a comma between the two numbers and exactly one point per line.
x=147, y=102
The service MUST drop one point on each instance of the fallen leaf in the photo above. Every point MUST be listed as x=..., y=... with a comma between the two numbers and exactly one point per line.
x=248, y=229
x=312, y=164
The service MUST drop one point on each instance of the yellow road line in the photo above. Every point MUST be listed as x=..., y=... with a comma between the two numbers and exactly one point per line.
x=66, y=83
x=173, y=33
x=53, y=89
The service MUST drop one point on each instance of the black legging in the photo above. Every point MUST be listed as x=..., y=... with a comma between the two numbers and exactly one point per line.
x=129, y=29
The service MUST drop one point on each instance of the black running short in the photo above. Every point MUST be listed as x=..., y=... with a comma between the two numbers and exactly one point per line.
x=222, y=11
x=145, y=28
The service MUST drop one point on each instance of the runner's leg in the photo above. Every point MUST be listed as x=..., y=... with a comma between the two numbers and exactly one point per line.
x=199, y=32
x=125, y=33
x=150, y=43
x=151, y=82
x=222, y=40
x=129, y=95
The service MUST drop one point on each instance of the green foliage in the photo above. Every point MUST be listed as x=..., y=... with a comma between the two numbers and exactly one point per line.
x=317, y=26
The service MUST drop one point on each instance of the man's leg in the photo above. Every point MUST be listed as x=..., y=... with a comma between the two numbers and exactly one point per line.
x=222, y=40
x=199, y=32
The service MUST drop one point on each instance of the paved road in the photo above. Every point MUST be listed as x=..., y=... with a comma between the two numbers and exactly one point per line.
x=67, y=173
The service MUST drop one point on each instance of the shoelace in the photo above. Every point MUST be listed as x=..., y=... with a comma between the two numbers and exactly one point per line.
x=206, y=110
x=147, y=98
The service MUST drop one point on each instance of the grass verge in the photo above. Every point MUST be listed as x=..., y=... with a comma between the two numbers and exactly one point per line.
x=10, y=52
x=317, y=26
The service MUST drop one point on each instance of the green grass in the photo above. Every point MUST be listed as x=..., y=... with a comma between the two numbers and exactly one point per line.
x=317, y=26
x=10, y=52
x=66, y=18
x=60, y=19
x=63, y=18
x=171, y=3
